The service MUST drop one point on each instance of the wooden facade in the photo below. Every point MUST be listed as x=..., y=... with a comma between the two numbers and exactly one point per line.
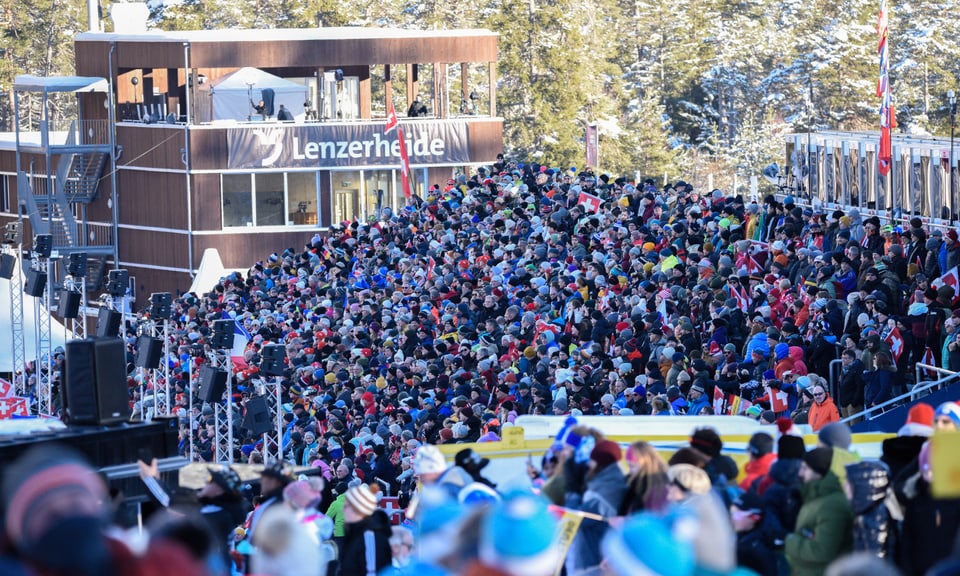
x=170, y=174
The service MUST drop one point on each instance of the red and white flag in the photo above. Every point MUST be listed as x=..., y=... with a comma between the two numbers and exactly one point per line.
x=884, y=154
x=741, y=297
x=392, y=121
x=431, y=264
x=590, y=202
x=719, y=401
x=13, y=406
x=737, y=405
x=895, y=340
x=6, y=388
x=930, y=360
x=951, y=279
x=779, y=400
x=404, y=164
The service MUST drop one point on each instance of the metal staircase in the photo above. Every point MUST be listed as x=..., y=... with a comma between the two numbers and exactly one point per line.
x=83, y=177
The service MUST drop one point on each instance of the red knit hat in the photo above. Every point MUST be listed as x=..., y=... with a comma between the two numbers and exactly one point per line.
x=920, y=414
x=605, y=453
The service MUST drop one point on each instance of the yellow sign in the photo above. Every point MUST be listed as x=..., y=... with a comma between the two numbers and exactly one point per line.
x=946, y=467
x=513, y=437
x=569, y=525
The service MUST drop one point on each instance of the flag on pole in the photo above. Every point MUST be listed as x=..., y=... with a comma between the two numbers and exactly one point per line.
x=930, y=360
x=241, y=337
x=404, y=164
x=6, y=388
x=740, y=296
x=895, y=340
x=738, y=405
x=392, y=121
x=885, y=154
x=779, y=399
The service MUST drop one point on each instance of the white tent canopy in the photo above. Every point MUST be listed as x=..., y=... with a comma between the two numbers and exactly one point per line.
x=231, y=95
x=210, y=272
x=58, y=334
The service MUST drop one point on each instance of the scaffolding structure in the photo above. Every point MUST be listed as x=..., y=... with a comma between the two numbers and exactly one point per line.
x=42, y=263
x=13, y=245
x=272, y=441
x=223, y=412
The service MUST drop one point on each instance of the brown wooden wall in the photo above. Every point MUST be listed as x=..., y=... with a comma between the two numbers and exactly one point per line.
x=151, y=146
x=152, y=247
x=156, y=199
x=149, y=281
x=242, y=250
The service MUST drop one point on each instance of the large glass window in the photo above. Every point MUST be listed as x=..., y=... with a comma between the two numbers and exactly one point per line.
x=379, y=193
x=302, y=197
x=237, y=205
x=270, y=200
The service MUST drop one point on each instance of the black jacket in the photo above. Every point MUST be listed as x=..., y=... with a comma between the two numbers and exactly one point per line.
x=874, y=524
x=852, y=385
x=929, y=525
x=353, y=556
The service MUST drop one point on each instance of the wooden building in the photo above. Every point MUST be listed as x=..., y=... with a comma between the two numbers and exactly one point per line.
x=204, y=160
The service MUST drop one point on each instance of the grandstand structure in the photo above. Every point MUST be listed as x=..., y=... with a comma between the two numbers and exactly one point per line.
x=839, y=169
x=180, y=144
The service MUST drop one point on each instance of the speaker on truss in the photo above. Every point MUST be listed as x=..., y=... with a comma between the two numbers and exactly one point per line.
x=161, y=305
x=43, y=245
x=108, y=323
x=149, y=352
x=36, y=283
x=272, y=360
x=213, y=383
x=223, y=332
x=256, y=418
x=7, y=264
x=96, y=383
x=117, y=283
x=77, y=264
x=69, y=306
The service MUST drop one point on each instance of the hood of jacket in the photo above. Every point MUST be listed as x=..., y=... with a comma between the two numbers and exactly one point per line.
x=784, y=471
x=816, y=489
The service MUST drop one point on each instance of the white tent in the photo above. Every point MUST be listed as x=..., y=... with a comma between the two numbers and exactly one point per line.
x=231, y=95
x=58, y=334
x=210, y=272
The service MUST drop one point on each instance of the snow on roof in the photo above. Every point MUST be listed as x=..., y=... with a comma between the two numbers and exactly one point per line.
x=278, y=34
x=29, y=83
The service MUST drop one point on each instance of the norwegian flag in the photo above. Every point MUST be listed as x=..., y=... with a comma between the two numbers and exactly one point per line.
x=392, y=121
x=719, y=401
x=590, y=202
x=737, y=405
x=779, y=399
x=13, y=406
x=895, y=340
x=6, y=388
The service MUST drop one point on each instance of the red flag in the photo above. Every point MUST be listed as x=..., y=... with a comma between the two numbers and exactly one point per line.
x=951, y=279
x=737, y=405
x=779, y=400
x=404, y=164
x=719, y=403
x=741, y=297
x=930, y=360
x=884, y=154
x=431, y=264
x=6, y=388
x=589, y=201
x=392, y=121
x=13, y=406
x=895, y=340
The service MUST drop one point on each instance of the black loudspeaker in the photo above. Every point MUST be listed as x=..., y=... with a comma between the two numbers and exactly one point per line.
x=117, y=283
x=257, y=419
x=109, y=363
x=96, y=383
x=7, y=262
x=149, y=352
x=108, y=323
x=35, y=284
x=69, y=306
x=80, y=393
x=223, y=334
x=272, y=363
x=161, y=305
x=213, y=383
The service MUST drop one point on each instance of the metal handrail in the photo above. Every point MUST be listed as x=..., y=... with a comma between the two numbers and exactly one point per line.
x=926, y=367
x=912, y=394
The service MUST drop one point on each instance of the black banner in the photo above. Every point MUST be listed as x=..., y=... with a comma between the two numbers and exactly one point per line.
x=353, y=145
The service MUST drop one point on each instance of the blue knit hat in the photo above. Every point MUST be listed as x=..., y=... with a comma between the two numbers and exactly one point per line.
x=566, y=435
x=646, y=545
x=782, y=350
x=520, y=536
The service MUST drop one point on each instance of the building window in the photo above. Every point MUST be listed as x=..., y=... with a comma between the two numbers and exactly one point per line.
x=4, y=193
x=269, y=199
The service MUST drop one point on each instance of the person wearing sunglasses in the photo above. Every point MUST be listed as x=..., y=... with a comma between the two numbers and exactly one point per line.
x=823, y=410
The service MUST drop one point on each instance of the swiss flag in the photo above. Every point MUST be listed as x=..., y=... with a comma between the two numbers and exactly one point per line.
x=13, y=406
x=392, y=121
x=6, y=388
x=391, y=505
x=589, y=201
x=930, y=360
x=779, y=400
x=895, y=340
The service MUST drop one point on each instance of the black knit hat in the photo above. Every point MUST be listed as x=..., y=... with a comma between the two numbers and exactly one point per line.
x=790, y=446
x=819, y=460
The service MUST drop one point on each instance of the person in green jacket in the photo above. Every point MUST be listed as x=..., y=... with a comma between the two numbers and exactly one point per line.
x=837, y=435
x=824, y=529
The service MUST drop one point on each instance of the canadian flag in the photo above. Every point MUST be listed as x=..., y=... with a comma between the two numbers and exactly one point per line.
x=779, y=400
x=719, y=402
x=895, y=340
x=6, y=388
x=13, y=406
x=589, y=201
x=741, y=297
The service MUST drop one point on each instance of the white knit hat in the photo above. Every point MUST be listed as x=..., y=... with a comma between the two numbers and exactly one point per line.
x=429, y=460
x=362, y=499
